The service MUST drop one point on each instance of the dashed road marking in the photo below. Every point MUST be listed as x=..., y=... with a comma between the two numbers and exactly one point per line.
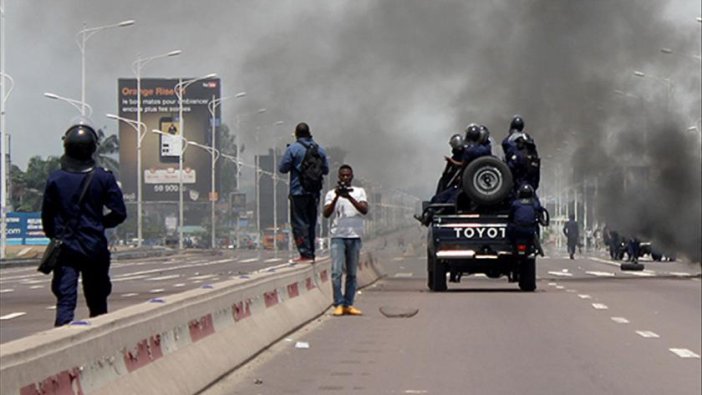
x=6, y=290
x=129, y=295
x=600, y=274
x=645, y=273
x=620, y=320
x=51, y=307
x=36, y=287
x=248, y=260
x=169, y=277
x=679, y=274
x=273, y=260
x=600, y=306
x=553, y=284
x=559, y=287
x=647, y=334
x=179, y=285
x=12, y=315
x=405, y=275
x=561, y=274
x=203, y=277
x=684, y=353
x=584, y=296
x=603, y=261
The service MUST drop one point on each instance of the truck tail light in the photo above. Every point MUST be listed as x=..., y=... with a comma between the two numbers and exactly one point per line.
x=521, y=247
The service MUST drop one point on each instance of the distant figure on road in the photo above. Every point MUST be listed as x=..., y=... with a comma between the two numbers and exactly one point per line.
x=572, y=233
x=349, y=205
x=307, y=164
x=81, y=227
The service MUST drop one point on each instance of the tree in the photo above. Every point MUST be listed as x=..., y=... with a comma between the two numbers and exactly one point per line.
x=108, y=147
x=28, y=186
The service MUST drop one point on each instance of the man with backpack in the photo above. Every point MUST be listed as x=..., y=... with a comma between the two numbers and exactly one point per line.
x=307, y=164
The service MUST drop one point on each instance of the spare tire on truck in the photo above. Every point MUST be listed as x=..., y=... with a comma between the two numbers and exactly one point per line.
x=487, y=180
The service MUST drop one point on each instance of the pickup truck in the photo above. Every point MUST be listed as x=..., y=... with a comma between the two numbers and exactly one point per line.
x=470, y=236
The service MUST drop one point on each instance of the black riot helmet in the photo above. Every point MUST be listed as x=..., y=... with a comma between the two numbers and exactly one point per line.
x=525, y=192
x=484, y=134
x=517, y=124
x=456, y=141
x=80, y=141
x=472, y=133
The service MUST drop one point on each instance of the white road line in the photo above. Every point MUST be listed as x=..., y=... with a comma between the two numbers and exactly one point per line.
x=169, y=277
x=51, y=307
x=600, y=274
x=679, y=274
x=129, y=295
x=203, y=277
x=156, y=291
x=684, y=353
x=179, y=285
x=36, y=286
x=6, y=290
x=600, y=306
x=553, y=284
x=12, y=315
x=248, y=260
x=645, y=273
x=647, y=334
x=273, y=260
x=620, y=320
x=559, y=287
x=128, y=278
x=398, y=258
x=561, y=274
x=405, y=275
x=584, y=296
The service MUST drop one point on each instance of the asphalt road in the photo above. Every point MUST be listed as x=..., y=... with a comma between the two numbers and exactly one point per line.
x=588, y=329
x=27, y=305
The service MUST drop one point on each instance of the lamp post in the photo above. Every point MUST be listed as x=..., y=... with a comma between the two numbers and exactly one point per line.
x=215, y=155
x=3, y=134
x=274, y=178
x=137, y=65
x=183, y=146
x=77, y=104
x=212, y=107
x=140, y=128
x=179, y=87
x=81, y=39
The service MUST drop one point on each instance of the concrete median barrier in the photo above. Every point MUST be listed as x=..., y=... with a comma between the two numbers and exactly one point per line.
x=177, y=344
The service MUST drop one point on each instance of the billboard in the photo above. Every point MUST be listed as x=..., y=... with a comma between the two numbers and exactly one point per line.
x=25, y=229
x=160, y=110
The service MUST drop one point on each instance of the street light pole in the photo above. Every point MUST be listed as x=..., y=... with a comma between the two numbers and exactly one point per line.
x=137, y=65
x=274, y=178
x=179, y=87
x=215, y=155
x=81, y=39
x=77, y=104
x=3, y=136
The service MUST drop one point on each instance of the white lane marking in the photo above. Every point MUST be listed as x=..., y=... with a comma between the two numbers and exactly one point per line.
x=398, y=258
x=600, y=274
x=584, y=296
x=156, y=291
x=203, y=277
x=600, y=306
x=559, y=287
x=684, y=353
x=36, y=286
x=647, y=334
x=604, y=261
x=561, y=274
x=27, y=282
x=128, y=278
x=679, y=274
x=248, y=260
x=553, y=284
x=273, y=260
x=405, y=275
x=179, y=285
x=169, y=277
x=416, y=392
x=171, y=268
x=6, y=290
x=645, y=273
x=620, y=320
x=129, y=295
x=51, y=307
x=12, y=315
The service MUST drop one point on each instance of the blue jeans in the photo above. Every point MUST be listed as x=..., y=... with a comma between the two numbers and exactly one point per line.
x=345, y=254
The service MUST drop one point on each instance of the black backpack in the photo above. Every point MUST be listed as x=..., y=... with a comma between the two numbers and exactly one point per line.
x=312, y=169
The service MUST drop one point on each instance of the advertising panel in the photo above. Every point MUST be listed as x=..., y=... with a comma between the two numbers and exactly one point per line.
x=160, y=110
x=25, y=229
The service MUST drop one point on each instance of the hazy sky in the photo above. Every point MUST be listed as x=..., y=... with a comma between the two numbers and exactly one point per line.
x=389, y=81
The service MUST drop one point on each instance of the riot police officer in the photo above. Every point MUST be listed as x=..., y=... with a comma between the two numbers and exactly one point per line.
x=82, y=226
x=521, y=155
x=452, y=170
x=572, y=233
x=524, y=215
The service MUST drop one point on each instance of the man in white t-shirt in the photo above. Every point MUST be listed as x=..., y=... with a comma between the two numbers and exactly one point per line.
x=349, y=205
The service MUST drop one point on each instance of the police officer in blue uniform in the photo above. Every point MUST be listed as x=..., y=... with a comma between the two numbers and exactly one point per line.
x=524, y=215
x=572, y=233
x=81, y=227
x=521, y=155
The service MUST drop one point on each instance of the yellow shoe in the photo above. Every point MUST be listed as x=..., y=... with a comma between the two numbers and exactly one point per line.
x=338, y=311
x=352, y=311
